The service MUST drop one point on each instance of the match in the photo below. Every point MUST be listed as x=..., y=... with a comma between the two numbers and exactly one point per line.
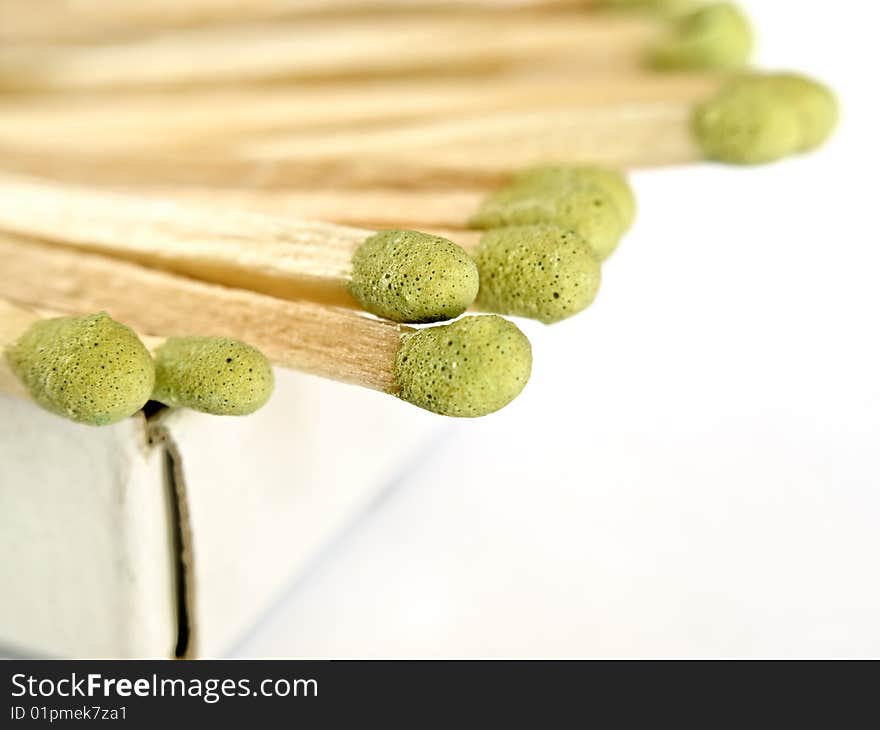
x=394, y=44
x=62, y=20
x=405, y=276
x=204, y=122
x=749, y=119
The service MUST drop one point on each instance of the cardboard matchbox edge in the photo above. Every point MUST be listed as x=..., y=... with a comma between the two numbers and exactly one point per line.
x=172, y=535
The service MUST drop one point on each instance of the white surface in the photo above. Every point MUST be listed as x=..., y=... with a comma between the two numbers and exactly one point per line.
x=695, y=466
x=260, y=511
x=86, y=560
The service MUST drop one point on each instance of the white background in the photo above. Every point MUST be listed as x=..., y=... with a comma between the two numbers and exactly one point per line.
x=694, y=469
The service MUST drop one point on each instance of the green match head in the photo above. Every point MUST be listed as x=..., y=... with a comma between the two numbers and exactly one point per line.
x=541, y=271
x=814, y=103
x=217, y=375
x=747, y=122
x=89, y=369
x=551, y=178
x=407, y=276
x=717, y=36
x=764, y=118
x=587, y=209
x=469, y=368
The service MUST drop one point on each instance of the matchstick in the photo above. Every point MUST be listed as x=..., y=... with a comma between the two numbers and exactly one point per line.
x=597, y=203
x=469, y=368
x=62, y=20
x=205, y=122
x=717, y=36
x=401, y=275
x=427, y=209
x=747, y=120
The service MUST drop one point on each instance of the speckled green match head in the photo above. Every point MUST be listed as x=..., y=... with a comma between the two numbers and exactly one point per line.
x=747, y=122
x=717, y=37
x=217, y=375
x=585, y=208
x=559, y=177
x=90, y=369
x=407, y=276
x=542, y=272
x=468, y=368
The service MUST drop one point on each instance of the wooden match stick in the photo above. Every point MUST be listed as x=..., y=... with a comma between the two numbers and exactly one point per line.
x=627, y=136
x=206, y=122
x=446, y=152
x=747, y=120
x=62, y=20
x=401, y=275
x=395, y=44
x=469, y=368
x=597, y=203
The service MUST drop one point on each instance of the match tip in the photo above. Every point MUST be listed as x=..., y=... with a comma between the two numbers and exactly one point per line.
x=542, y=272
x=759, y=119
x=562, y=197
x=718, y=36
x=91, y=369
x=407, y=276
x=466, y=369
x=551, y=178
x=217, y=375
x=815, y=104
